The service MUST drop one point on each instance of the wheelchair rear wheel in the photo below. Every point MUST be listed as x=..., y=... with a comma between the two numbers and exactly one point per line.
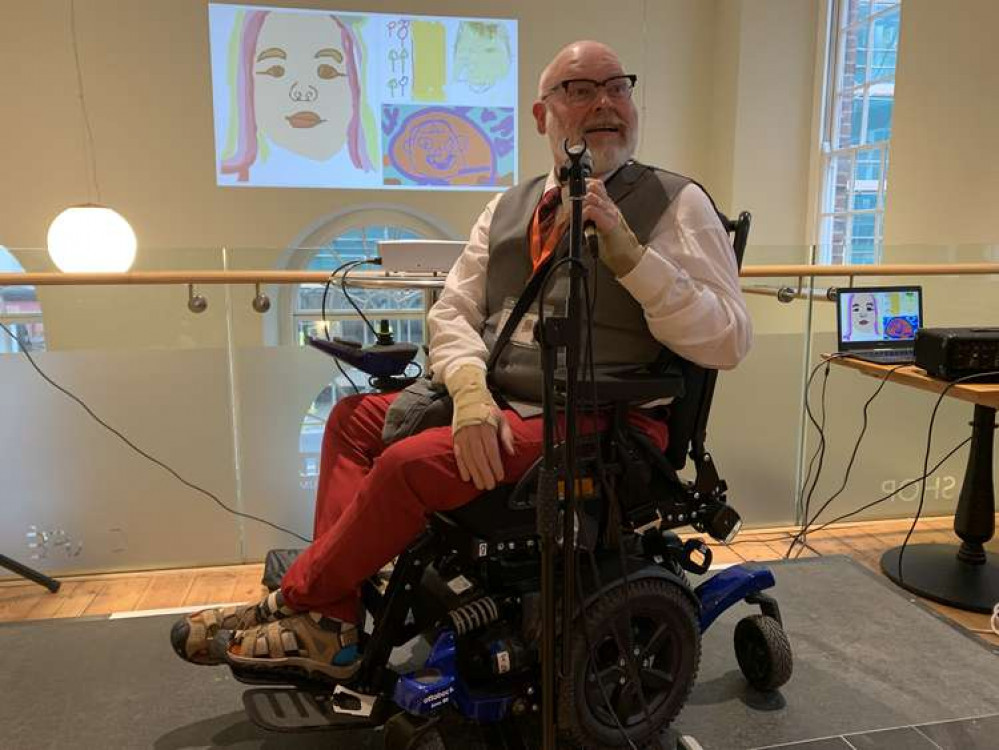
x=601, y=703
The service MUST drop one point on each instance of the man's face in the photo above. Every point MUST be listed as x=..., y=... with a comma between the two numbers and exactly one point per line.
x=435, y=149
x=610, y=126
x=301, y=92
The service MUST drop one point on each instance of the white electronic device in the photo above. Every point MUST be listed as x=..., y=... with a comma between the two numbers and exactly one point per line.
x=419, y=256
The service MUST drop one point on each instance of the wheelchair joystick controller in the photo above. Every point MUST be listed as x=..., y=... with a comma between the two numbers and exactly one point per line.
x=385, y=361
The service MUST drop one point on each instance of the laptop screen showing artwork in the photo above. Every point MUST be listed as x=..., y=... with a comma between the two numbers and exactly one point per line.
x=879, y=323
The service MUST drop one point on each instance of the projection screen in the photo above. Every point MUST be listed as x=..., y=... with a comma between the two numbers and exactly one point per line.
x=328, y=99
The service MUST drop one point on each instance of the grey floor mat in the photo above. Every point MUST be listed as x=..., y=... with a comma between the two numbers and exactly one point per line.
x=865, y=659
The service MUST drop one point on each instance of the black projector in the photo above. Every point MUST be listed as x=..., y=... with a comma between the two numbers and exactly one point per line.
x=952, y=353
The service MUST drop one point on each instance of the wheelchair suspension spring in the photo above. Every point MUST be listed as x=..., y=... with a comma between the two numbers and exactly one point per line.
x=474, y=615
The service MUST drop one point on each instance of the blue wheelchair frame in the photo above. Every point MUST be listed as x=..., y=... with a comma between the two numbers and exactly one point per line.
x=418, y=696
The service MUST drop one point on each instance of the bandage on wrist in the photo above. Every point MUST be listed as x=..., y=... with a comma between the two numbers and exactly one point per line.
x=473, y=404
x=620, y=250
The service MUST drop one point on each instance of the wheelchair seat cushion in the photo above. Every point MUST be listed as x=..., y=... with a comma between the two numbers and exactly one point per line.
x=489, y=517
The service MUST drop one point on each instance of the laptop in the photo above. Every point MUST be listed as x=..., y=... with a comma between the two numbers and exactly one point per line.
x=419, y=256
x=879, y=323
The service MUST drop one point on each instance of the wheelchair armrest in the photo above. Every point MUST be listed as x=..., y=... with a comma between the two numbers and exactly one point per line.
x=625, y=383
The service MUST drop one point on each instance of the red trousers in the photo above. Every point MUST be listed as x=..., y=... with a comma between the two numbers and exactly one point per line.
x=372, y=501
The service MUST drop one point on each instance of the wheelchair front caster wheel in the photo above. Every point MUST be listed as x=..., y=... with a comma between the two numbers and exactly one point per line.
x=405, y=732
x=763, y=652
x=429, y=740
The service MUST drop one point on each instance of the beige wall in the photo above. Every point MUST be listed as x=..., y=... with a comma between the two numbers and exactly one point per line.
x=145, y=67
x=762, y=114
x=727, y=93
x=147, y=84
x=944, y=175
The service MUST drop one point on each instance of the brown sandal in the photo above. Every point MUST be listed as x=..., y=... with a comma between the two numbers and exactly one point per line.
x=192, y=635
x=306, y=643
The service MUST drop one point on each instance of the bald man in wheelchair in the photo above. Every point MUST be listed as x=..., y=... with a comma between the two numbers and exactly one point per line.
x=667, y=280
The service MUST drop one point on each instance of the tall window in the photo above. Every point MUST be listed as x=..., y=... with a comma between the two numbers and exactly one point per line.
x=20, y=311
x=403, y=309
x=858, y=115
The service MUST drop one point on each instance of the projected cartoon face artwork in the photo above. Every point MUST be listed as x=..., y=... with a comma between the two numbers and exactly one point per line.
x=294, y=86
x=438, y=146
x=301, y=92
x=863, y=321
x=481, y=54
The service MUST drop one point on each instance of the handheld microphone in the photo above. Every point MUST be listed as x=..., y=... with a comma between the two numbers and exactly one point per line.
x=578, y=154
x=590, y=236
x=581, y=154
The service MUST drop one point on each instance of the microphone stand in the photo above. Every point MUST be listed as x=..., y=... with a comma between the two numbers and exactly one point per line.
x=560, y=332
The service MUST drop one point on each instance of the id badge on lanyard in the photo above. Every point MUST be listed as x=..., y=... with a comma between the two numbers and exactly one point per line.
x=523, y=334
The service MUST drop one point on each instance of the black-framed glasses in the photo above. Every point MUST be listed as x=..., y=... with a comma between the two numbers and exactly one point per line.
x=584, y=90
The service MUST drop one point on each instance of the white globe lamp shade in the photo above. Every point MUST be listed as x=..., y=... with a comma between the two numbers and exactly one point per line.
x=92, y=239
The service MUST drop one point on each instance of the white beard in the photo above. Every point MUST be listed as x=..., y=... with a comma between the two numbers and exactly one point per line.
x=606, y=158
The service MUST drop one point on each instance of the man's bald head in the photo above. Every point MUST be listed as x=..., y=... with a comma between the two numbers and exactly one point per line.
x=608, y=122
x=572, y=57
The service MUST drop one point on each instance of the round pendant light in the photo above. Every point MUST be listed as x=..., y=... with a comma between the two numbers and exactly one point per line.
x=91, y=238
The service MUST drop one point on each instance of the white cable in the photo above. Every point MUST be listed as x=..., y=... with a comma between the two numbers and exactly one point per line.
x=993, y=623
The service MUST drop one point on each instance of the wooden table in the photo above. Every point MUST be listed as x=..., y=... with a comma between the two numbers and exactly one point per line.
x=960, y=576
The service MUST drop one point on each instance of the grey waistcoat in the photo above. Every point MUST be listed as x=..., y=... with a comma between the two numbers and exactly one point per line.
x=620, y=333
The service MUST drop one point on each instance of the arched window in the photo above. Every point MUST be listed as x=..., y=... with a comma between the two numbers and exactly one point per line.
x=341, y=318
x=351, y=237
x=20, y=311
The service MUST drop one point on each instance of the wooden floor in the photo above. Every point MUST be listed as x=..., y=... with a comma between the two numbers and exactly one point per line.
x=84, y=596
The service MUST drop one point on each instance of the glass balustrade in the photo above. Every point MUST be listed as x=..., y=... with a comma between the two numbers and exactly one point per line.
x=234, y=401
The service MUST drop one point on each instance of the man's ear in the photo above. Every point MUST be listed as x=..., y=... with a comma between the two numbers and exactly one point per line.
x=539, y=110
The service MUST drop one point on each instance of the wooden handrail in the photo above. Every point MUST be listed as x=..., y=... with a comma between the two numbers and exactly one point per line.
x=381, y=278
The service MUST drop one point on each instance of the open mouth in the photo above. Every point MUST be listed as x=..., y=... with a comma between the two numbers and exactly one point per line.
x=304, y=120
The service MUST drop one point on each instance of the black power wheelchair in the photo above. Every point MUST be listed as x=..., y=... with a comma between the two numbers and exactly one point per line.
x=469, y=585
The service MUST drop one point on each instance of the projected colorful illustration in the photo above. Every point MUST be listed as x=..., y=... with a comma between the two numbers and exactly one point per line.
x=482, y=55
x=307, y=98
x=455, y=146
x=296, y=96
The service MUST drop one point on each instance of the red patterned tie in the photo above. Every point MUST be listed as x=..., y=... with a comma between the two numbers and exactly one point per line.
x=542, y=239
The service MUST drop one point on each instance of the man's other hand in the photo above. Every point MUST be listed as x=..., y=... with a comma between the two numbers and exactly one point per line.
x=477, y=450
x=478, y=427
x=619, y=249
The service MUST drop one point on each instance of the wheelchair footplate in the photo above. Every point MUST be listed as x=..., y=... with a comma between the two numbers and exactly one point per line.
x=303, y=710
x=282, y=677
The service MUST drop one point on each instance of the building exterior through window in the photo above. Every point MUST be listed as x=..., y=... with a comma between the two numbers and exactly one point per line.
x=863, y=52
x=20, y=311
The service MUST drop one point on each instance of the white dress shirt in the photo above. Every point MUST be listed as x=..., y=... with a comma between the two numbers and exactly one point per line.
x=687, y=284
